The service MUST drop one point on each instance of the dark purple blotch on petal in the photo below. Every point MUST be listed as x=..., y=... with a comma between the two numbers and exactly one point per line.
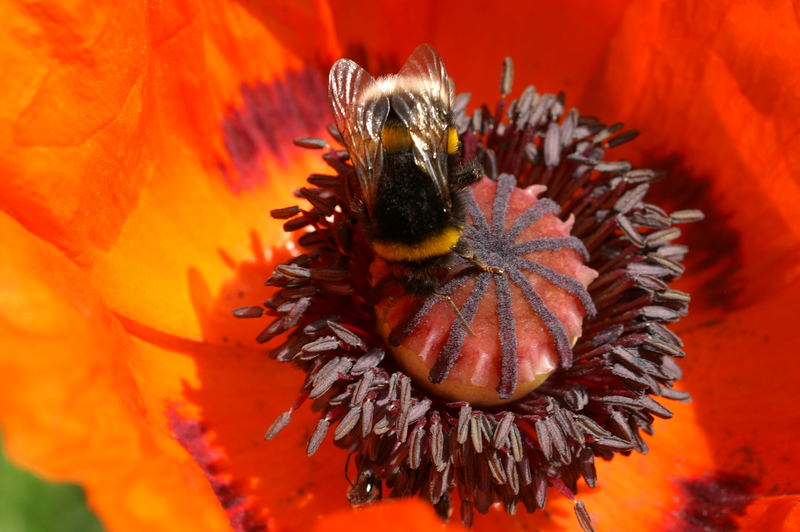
x=193, y=436
x=717, y=252
x=712, y=502
x=270, y=116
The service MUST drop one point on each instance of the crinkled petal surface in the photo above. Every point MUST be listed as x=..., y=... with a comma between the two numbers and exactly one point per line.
x=120, y=145
x=142, y=145
x=72, y=410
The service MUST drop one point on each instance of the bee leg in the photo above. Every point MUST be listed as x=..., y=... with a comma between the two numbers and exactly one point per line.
x=457, y=311
x=463, y=173
x=466, y=252
x=347, y=467
x=485, y=267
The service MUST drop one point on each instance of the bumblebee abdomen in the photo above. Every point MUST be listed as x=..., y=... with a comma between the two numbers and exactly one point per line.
x=408, y=206
x=435, y=245
x=411, y=220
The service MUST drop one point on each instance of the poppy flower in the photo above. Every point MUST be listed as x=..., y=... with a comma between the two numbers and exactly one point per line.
x=143, y=145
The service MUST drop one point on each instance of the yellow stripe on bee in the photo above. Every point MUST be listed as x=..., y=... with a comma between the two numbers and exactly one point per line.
x=396, y=139
x=434, y=246
x=452, y=141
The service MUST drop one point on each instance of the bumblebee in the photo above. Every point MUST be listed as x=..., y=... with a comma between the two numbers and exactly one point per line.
x=399, y=133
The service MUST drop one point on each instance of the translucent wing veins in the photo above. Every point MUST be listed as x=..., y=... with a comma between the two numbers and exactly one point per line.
x=422, y=102
x=360, y=119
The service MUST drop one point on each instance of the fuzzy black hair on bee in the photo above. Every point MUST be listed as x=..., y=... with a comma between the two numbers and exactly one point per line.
x=405, y=150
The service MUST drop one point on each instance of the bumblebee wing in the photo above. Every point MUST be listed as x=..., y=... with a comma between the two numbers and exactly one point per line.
x=422, y=101
x=360, y=110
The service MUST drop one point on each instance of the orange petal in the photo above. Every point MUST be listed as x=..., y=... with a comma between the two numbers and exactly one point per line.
x=397, y=515
x=115, y=145
x=72, y=124
x=149, y=425
x=184, y=245
x=765, y=515
x=220, y=410
x=742, y=374
x=772, y=514
x=70, y=406
x=555, y=46
x=714, y=87
x=170, y=245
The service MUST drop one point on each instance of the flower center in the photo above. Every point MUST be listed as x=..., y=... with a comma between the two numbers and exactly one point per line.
x=509, y=312
x=515, y=325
